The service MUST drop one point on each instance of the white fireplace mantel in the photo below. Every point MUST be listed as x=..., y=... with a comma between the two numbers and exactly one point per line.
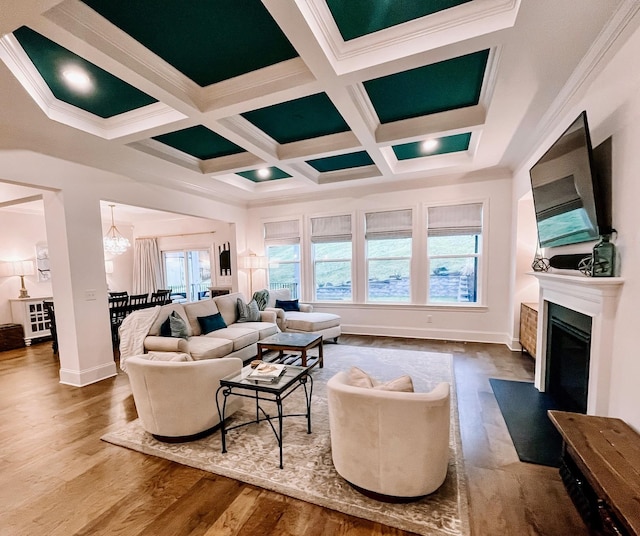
x=596, y=297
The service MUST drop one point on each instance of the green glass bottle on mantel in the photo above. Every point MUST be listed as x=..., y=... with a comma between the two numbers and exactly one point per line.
x=604, y=257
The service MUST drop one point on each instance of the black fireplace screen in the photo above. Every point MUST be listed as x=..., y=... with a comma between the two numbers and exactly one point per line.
x=568, y=351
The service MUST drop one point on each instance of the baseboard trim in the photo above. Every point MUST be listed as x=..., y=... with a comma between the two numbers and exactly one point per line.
x=80, y=378
x=421, y=333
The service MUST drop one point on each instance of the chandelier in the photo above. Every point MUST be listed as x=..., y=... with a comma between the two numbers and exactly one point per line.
x=114, y=243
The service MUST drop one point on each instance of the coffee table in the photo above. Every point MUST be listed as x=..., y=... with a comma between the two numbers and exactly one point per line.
x=239, y=384
x=293, y=342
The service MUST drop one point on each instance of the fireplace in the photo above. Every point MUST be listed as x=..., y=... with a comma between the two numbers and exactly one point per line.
x=568, y=354
x=594, y=301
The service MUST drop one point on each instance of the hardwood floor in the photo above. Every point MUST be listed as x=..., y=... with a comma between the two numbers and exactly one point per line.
x=58, y=478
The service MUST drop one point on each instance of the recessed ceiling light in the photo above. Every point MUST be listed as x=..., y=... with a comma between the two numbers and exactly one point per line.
x=429, y=146
x=77, y=79
x=264, y=173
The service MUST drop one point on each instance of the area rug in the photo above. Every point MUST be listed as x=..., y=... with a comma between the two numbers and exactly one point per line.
x=308, y=472
x=524, y=409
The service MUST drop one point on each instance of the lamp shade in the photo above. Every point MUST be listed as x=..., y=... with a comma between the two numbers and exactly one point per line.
x=253, y=262
x=9, y=269
x=108, y=267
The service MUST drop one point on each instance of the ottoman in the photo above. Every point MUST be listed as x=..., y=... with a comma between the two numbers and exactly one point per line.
x=326, y=324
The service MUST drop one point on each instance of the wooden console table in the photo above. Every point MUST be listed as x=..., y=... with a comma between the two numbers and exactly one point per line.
x=601, y=469
x=529, y=327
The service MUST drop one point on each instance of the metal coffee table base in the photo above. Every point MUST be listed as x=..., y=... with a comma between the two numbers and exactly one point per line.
x=267, y=393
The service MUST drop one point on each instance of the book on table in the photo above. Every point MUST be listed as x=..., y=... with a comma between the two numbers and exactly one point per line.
x=267, y=372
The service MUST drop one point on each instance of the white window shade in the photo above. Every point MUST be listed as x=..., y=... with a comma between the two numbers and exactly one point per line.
x=388, y=224
x=282, y=231
x=455, y=220
x=331, y=229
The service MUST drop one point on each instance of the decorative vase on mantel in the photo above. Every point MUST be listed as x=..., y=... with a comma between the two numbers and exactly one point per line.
x=604, y=257
x=540, y=263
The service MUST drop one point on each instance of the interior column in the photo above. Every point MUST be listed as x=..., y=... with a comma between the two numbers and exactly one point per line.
x=74, y=235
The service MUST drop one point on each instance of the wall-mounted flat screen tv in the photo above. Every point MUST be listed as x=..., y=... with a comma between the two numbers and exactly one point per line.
x=566, y=190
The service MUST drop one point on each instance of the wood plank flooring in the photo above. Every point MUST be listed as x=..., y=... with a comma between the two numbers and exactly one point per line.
x=58, y=479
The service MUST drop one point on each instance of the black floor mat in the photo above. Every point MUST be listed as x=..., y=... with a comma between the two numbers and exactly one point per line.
x=524, y=409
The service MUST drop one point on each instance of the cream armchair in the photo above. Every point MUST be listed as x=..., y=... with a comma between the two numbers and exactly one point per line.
x=385, y=443
x=176, y=401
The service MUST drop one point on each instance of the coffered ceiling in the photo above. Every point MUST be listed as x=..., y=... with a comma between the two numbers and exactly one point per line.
x=262, y=99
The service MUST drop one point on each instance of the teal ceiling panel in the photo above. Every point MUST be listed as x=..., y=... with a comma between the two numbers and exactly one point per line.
x=200, y=142
x=300, y=119
x=356, y=18
x=254, y=174
x=105, y=95
x=439, y=87
x=447, y=144
x=341, y=161
x=206, y=41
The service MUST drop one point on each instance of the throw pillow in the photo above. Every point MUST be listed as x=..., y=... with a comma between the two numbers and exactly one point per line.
x=165, y=328
x=402, y=384
x=261, y=297
x=359, y=378
x=211, y=323
x=248, y=312
x=178, y=326
x=288, y=305
x=168, y=356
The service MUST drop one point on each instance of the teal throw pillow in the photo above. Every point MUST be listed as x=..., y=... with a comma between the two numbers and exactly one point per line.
x=248, y=312
x=178, y=326
x=261, y=297
x=288, y=305
x=211, y=323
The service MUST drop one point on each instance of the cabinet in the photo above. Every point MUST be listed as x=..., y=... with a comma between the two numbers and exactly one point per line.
x=30, y=312
x=529, y=327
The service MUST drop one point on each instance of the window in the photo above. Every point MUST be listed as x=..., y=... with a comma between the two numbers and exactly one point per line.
x=282, y=241
x=388, y=239
x=188, y=274
x=454, y=244
x=332, y=253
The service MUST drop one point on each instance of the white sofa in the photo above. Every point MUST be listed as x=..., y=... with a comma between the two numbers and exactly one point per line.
x=176, y=401
x=305, y=320
x=236, y=340
x=386, y=443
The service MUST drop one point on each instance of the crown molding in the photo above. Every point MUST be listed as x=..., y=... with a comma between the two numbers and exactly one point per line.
x=440, y=29
x=583, y=74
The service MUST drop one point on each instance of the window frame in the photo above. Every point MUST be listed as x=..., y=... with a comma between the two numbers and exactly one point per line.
x=313, y=263
x=399, y=231
x=285, y=241
x=187, y=279
x=479, y=256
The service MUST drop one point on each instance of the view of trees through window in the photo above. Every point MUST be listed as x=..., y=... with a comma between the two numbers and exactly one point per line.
x=332, y=269
x=284, y=267
x=453, y=268
x=389, y=270
x=188, y=274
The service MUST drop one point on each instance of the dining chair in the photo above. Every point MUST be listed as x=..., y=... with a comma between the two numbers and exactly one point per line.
x=160, y=297
x=118, y=310
x=137, y=300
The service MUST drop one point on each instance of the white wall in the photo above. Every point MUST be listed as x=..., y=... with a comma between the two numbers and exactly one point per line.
x=488, y=323
x=612, y=102
x=20, y=233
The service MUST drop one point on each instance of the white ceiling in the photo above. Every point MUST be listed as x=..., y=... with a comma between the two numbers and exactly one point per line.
x=539, y=61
